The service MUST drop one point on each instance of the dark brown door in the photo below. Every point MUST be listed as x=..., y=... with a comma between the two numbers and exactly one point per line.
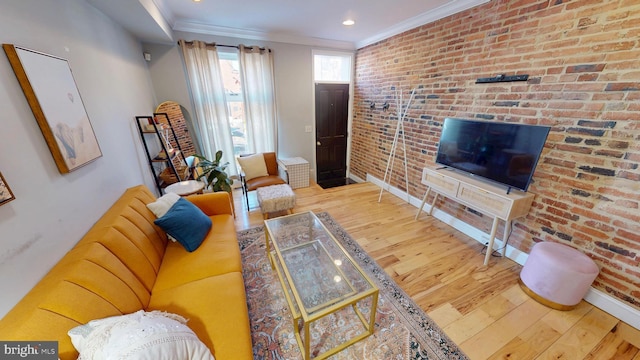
x=332, y=108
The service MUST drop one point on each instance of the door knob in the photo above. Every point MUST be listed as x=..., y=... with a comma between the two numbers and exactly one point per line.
x=318, y=143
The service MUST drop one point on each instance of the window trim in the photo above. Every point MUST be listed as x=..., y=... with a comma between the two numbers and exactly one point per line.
x=341, y=54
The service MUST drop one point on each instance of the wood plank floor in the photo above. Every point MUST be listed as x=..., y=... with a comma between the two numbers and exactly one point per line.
x=481, y=308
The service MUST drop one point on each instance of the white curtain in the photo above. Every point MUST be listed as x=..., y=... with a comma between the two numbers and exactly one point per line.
x=256, y=74
x=207, y=92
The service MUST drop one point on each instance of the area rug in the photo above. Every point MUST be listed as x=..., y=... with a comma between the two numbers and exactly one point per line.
x=402, y=329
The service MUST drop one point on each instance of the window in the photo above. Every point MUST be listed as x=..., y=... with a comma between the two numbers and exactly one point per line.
x=229, y=67
x=332, y=67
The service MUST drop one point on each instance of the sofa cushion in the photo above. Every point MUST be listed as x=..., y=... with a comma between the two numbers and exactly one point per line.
x=186, y=223
x=101, y=263
x=264, y=181
x=121, y=253
x=29, y=327
x=218, y=254
x=217, y=311
x=139, y=336
x=130, y=214
x=253, y=166
x=89, y=282
x=215, y=203
x=128, y=231
x=136, y=252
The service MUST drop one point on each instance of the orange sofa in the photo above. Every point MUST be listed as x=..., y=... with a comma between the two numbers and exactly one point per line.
x=125, y=263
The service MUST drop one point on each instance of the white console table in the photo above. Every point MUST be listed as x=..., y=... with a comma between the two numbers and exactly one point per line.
x=484, y=197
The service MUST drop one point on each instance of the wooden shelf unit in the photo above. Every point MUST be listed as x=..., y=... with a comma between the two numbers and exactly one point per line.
x=484, y=197
x=153, y=127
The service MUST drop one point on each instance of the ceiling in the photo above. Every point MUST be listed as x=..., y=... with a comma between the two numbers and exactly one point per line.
x=307, y=22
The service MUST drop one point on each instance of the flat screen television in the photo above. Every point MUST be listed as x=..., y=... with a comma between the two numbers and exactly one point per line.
x=500, y=152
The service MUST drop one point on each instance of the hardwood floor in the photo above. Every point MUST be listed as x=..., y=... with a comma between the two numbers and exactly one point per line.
x=481, y=308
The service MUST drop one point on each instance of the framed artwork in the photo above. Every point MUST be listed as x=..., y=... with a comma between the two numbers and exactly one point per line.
x=52, y=94
x=5, y=193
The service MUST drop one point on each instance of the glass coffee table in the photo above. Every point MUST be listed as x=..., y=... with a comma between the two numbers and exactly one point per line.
x=319, y=278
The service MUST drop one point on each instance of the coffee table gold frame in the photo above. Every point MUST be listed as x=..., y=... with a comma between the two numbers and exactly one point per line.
x=296, y=305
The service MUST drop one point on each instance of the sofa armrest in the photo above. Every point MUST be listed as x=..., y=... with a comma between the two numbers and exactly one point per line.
x=216, y=203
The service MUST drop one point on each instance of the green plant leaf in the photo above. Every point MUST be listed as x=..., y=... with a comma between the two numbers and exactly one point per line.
x=214, y=172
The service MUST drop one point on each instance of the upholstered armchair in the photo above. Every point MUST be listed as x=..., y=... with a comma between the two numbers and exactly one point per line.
x=258, y=170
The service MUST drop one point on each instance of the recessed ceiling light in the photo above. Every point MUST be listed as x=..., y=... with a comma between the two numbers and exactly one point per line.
x=197, y=0
x=348, y=22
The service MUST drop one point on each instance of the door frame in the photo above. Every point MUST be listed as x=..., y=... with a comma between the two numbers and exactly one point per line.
x=351, y=55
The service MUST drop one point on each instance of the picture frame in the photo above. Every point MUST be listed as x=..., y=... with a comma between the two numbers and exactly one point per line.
x=5, y=192
x=52, y=94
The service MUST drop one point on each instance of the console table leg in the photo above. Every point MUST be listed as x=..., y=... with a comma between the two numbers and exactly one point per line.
x=505, y=236
x=433, y=203
x=492, y=238
x=424, y=199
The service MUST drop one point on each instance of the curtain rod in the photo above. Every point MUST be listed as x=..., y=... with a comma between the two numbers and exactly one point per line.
x=221, y=45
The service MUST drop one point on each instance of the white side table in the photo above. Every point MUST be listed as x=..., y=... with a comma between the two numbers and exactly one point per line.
x=297, y=172
x=184, y=188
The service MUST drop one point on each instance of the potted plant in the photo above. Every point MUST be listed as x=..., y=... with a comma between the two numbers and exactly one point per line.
x=214, y=173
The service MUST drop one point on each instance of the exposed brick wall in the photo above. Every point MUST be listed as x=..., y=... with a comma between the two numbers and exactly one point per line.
x=583, y=61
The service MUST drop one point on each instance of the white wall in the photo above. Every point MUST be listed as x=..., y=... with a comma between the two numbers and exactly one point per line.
x=52, y=211
x=294, y=87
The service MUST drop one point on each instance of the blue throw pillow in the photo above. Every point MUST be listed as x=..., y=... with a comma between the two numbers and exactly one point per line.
x=186, y=223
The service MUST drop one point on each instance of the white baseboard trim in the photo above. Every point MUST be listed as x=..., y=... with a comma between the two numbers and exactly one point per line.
x=355, y=178
x=614, y=307
x=595, y=297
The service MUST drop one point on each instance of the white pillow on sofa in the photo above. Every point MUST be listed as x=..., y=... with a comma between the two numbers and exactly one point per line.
x=154, y=335
x=163, y=204
x=253, y=166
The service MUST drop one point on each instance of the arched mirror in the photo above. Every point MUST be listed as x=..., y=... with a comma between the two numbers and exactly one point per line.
x=181, y=123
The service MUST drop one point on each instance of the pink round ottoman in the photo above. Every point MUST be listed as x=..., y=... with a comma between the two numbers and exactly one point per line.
x=557, y=275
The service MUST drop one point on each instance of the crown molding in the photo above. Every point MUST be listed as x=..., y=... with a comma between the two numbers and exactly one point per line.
x=166, y=23
x=164, y=10
x=198, y=28
x=441, y=12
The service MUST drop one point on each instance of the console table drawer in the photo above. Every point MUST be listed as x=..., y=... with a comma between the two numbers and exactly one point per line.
x=440, y=183
x=484, y=201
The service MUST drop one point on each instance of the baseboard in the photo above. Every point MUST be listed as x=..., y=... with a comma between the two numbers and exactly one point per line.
x=356, y=179
x=614, y=307
x=595, y=297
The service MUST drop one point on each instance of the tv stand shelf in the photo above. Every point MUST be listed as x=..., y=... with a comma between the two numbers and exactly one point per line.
x=486, y=198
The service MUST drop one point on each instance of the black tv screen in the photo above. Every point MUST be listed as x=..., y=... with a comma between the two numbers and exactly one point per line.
x=500, y=152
